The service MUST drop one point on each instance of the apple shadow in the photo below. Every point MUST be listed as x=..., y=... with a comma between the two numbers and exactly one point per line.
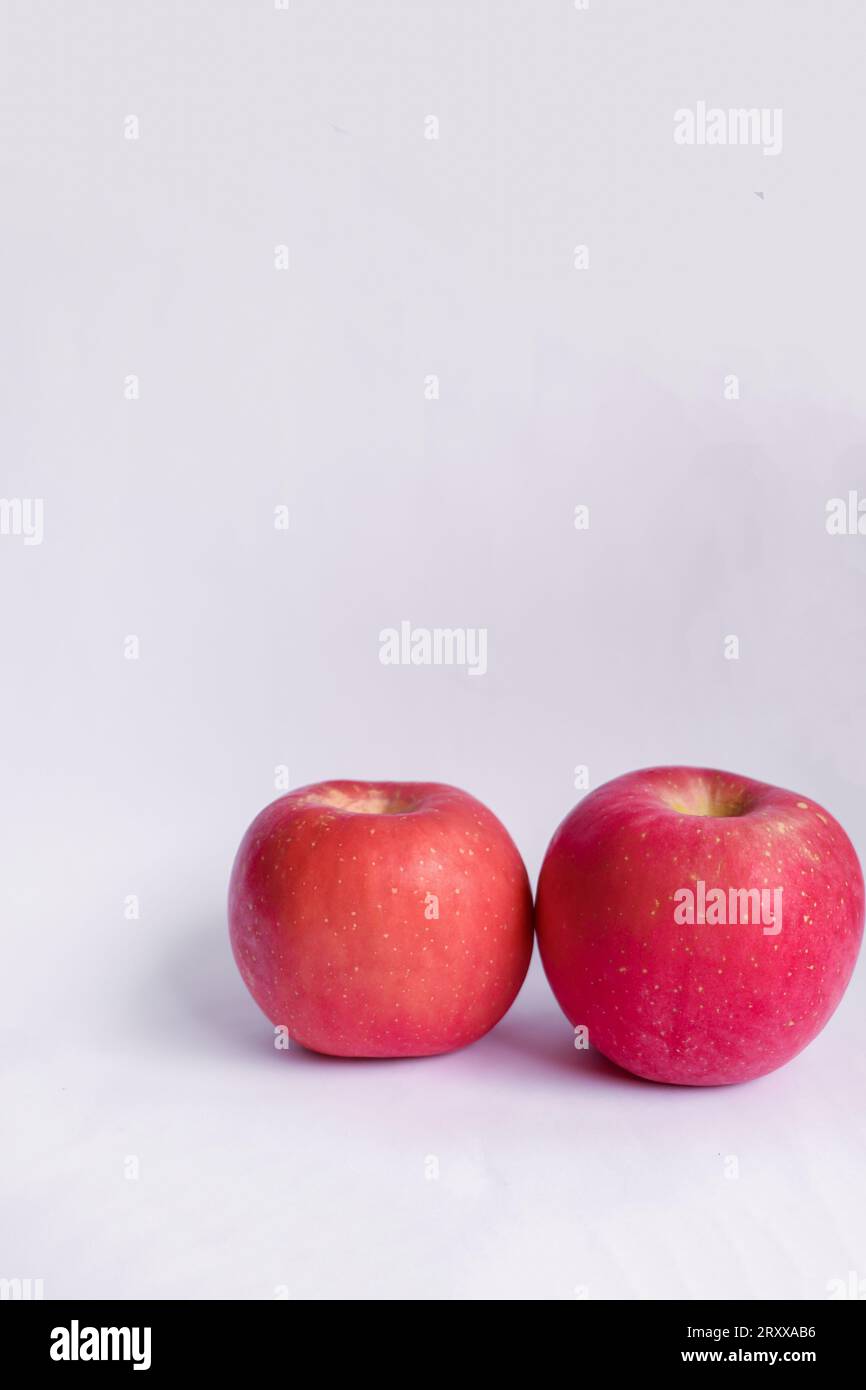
x=540, y=1044
x=196, y=1000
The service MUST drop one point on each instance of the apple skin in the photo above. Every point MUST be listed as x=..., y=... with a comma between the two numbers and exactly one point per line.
x=330, y=920
x=697, y=1005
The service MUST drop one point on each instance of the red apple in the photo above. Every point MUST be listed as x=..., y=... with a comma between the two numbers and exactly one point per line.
x=703, y=926
x=388, y=919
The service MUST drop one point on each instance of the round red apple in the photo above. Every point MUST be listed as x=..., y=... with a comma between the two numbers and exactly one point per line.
x=389, y=919
x=701, y=925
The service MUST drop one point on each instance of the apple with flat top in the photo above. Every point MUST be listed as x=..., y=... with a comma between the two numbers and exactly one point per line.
x=388, y=919
x=701, y=925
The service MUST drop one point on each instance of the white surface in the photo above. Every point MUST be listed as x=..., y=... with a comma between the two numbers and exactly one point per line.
x=262, y=1171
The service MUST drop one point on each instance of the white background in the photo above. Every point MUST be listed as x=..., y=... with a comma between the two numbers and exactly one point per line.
x=263, y=1171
